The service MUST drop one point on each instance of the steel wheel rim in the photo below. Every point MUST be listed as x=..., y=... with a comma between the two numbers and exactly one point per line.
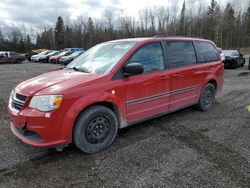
x=98, y=130
x=207, y=98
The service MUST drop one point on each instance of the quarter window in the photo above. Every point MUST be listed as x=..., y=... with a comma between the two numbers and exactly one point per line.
x=180, y=54
x=205, y=52
x=150, y=56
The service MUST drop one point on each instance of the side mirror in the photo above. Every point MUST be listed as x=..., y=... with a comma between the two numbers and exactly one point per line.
x=133, y=69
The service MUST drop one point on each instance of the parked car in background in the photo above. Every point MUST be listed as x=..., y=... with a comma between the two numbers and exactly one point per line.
x=233, y=59
x=45, y=58
x=11, y=57
x=55, y=59
x=67, y=59
x=36, y=58
x=222, y=55
x=248, y=63
x=113, y=85
x=33, y=52
x=74, y=49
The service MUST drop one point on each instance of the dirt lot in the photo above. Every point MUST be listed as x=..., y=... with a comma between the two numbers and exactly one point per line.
x=188, y=148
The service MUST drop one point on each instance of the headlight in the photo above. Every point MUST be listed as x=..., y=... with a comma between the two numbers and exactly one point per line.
x=46, y=103
x=12, y=94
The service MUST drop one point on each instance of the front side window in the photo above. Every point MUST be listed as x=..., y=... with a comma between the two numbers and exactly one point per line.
x=206, y=52
x=150, y=56
x=180, y=54
x=101, y=58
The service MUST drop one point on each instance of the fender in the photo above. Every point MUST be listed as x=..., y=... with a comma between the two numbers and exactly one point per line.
x=86, y=101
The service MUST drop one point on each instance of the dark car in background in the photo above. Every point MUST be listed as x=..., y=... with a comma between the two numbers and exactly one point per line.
x=11, y=57
x=67, y=59
x=233, y=59
x=55, y=59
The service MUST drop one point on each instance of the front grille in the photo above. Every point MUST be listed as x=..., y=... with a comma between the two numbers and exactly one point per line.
x=21, y=97
x=18, y=101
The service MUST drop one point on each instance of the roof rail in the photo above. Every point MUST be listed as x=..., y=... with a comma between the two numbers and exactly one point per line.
x=159, y=36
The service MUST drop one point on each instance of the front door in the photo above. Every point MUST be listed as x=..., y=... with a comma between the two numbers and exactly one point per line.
x=147, y=94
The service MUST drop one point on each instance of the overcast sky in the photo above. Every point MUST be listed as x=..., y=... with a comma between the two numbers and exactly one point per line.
x=45, y=12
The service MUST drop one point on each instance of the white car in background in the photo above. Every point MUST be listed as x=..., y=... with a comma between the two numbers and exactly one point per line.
x=222, y=55
x=36, y=58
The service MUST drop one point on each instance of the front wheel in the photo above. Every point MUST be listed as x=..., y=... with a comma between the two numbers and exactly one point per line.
x=17, y=61
x=207, y=98
x=95, y=129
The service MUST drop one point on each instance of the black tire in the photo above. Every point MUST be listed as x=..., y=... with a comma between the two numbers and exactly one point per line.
x=95, y=129
x=17, y=61
x=207, y=98
x=235, y=65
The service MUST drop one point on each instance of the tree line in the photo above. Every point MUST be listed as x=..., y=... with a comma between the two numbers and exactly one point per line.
x=227, y=27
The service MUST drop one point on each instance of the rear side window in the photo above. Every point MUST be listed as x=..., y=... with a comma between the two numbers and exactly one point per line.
x=180, y=54
x=206, y=52
x=13, y=53
x=150, y=56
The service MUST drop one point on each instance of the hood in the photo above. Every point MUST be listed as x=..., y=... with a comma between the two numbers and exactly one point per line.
x=34, y=56
x=54, y=82
x=65, y=58
x=53, y=56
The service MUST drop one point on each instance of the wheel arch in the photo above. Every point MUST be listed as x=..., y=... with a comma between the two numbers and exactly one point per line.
x=107, y=104
x=214, y=82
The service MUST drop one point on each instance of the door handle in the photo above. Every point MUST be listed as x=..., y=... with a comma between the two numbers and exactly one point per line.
x=178, y=75
x=164, y=77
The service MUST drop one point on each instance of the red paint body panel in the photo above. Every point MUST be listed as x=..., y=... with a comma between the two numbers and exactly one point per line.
x=136, y=98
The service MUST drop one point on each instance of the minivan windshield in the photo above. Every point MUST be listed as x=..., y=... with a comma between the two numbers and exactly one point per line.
x=101, y=58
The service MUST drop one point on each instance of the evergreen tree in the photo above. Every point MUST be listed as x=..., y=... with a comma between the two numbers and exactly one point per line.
x=59, y=33
x=182, y=22
x=213, y=20
x=21, y=46
x=248, y=21
x=1, y=41
x=68, y=37
x=89, y=37
x=90, y=25
x=228, y=26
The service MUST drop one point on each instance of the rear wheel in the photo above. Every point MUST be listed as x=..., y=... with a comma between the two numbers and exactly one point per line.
x=207, y=98
x=17, y=61
x=95, y=129
x=235, y=65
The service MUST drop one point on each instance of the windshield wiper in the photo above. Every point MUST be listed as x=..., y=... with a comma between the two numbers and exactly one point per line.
x=78, y=69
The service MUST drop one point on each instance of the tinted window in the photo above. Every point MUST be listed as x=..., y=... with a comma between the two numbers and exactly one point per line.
x=150, y=56
x=13, y=53
x=180, y=54
x=205, y=52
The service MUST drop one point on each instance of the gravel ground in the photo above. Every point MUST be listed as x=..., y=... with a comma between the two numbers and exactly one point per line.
x=187, y=148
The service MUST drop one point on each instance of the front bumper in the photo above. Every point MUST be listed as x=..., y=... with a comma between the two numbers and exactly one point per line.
x=34, y=59
x=33, y=128
x=53, y=60
x=64, y=62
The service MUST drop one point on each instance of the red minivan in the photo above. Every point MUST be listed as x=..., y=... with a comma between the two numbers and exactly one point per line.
x=113, y=85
